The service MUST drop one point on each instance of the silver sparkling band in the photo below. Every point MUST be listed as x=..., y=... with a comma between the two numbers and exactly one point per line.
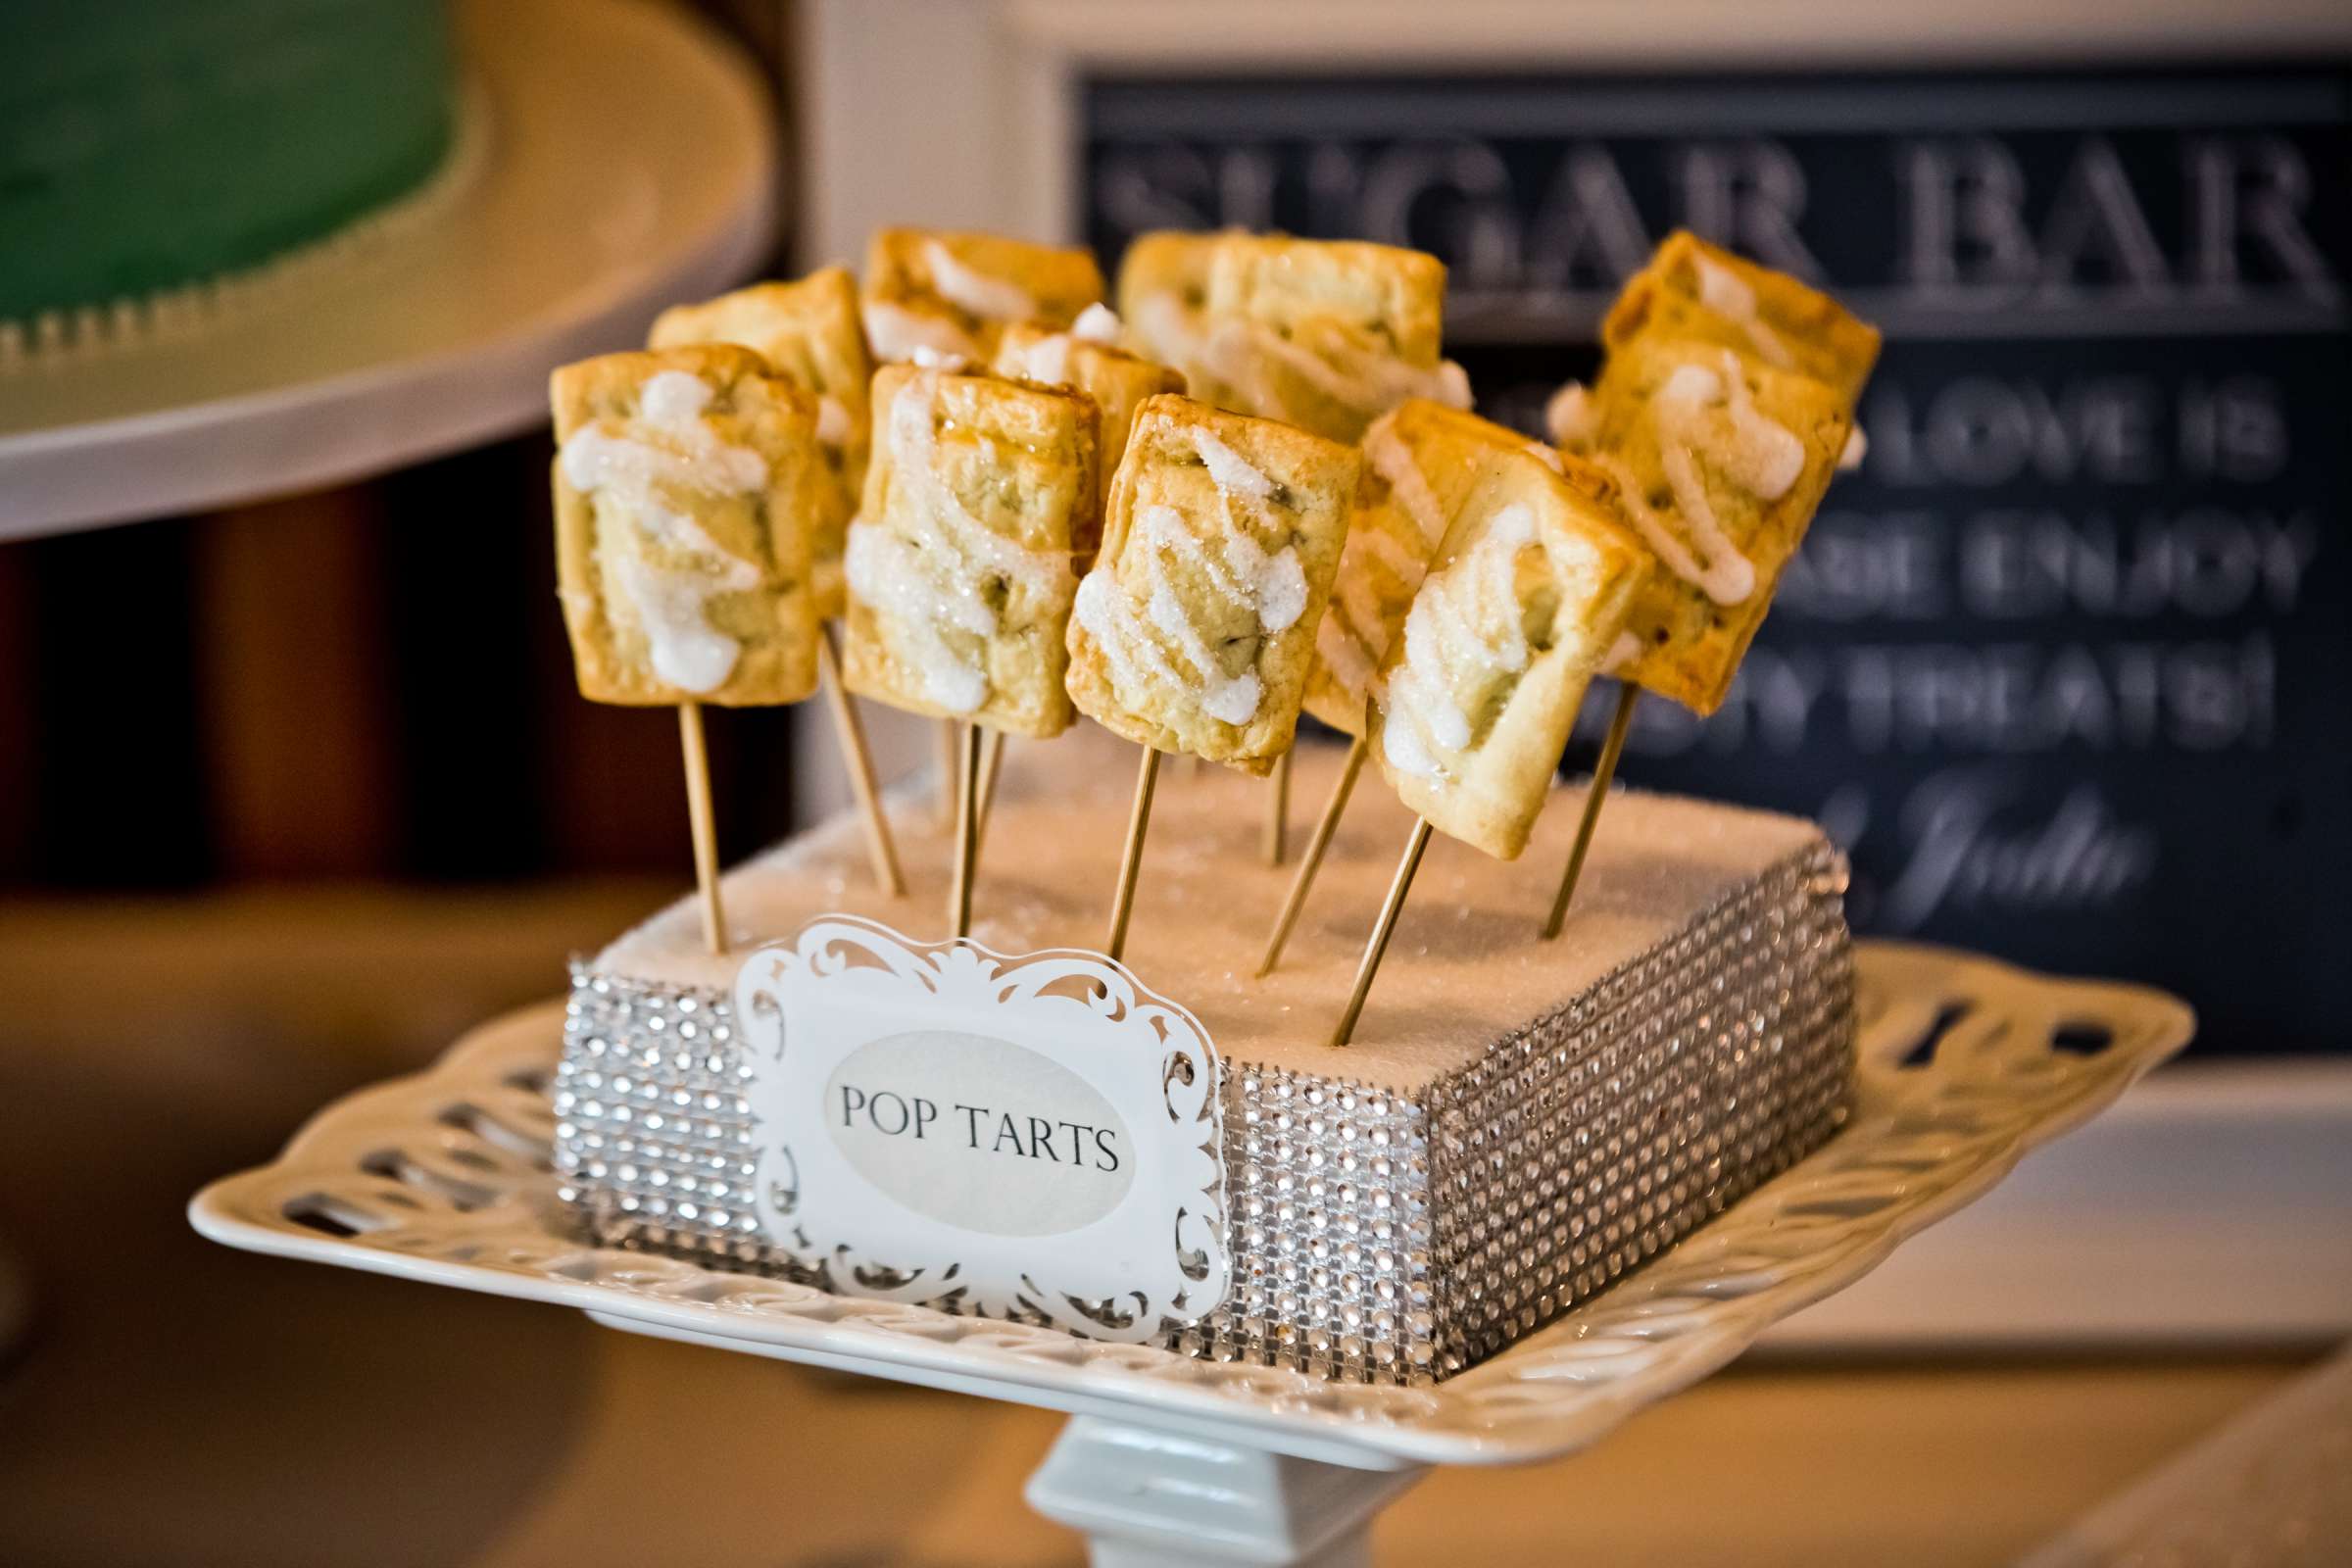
x=1377, y=1237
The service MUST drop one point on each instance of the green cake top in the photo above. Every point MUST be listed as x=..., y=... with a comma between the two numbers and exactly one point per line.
x=150, y=143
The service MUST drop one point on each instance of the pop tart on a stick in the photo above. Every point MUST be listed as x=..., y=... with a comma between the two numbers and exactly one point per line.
x=1195, y=629
x=980, y=497
x=943, y=297
x=1421, y=461
x=808, y=334
x=1325, y=334
x=1477, y=691
x=1722, y=413
x=684, y=482
x=1085, y=357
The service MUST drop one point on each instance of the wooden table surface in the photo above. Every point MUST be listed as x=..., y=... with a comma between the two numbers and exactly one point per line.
x=176, y=1402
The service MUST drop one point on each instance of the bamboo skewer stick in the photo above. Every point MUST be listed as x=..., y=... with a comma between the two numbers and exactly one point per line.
x=943, y=758
x=1386, y=926
x=1278, y=811
x=968, y=827
x=1605, y=768
x=1130, y=858
x=1313, y=860
x=850, y=730
x=703, y=826
x=991, y=761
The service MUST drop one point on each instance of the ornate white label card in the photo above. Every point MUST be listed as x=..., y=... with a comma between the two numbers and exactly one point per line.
x=942, y=1123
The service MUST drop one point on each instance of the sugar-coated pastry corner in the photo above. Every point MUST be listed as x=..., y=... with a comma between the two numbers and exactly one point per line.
x=684, y=480
x=1195, y=630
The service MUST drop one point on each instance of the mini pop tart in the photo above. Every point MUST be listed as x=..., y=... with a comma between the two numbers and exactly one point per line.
x=1722, y=413
x=1477, y=693
x=1195, y=630
x=1421, y=459
x=1087, y=359
x=1326, y=335
x=809, y=332
x=684, y=480
x=959, y=564
x=951, y=295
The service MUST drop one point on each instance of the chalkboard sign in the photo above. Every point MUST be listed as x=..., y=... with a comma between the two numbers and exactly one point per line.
x=2068, y=665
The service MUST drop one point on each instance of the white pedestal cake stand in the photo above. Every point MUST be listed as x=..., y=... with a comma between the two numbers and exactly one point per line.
x=1965, y=1065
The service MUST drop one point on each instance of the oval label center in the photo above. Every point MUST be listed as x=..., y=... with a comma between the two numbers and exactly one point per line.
x=978, y=1132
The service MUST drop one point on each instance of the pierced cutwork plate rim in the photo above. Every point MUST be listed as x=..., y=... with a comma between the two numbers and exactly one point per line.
x=1964, y=1065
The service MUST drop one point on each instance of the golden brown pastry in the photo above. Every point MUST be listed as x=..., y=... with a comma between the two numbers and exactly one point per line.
x=1420, y=459
x=959, y=564
x=1195, y=629
x=684, y=478
x=1722, y=413
x=952, y=294
x=1325, y=334
x=1087, y=358
x=1697, y=290
x=1478, y=691
x=809, y=332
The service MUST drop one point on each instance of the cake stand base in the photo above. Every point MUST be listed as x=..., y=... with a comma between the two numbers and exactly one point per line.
x=1147, y=1498
x=448, y=1178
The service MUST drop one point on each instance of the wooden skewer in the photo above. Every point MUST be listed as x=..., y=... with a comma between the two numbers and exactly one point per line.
x=991, y=761
x=1313, y=862
x=968, y=827
x=944, y=757
x=1390, y=907
x=1278, y=811
x=850, y=730
x=1605, y=768
x=703, y=825
x=1130, y=858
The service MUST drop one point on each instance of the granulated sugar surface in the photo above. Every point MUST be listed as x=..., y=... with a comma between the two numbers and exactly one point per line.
x=1466, y=965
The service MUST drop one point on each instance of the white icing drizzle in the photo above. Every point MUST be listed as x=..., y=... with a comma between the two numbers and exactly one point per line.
x=896, y=333
x=638, y=474
x=932, y=583
x=1698, y=410
x=1096, y=324
x=1570, y=417
x=1760, y=457
x=833, y=425
x=1726, y=576
x=1850, y=455
x=968, y=288
x=1047, y=360
x=1464, y=618
x=1271, y=585
x=1230, y=470
x=1729, y=295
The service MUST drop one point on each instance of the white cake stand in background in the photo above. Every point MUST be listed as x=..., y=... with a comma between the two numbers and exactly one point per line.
x=616, y=158
x=446, y=1178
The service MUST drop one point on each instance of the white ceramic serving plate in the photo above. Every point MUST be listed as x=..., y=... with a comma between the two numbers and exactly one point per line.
x=618, y=157
x=444, y=1178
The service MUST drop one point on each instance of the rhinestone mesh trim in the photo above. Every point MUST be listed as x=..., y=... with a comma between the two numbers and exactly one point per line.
x=1376, y=1237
